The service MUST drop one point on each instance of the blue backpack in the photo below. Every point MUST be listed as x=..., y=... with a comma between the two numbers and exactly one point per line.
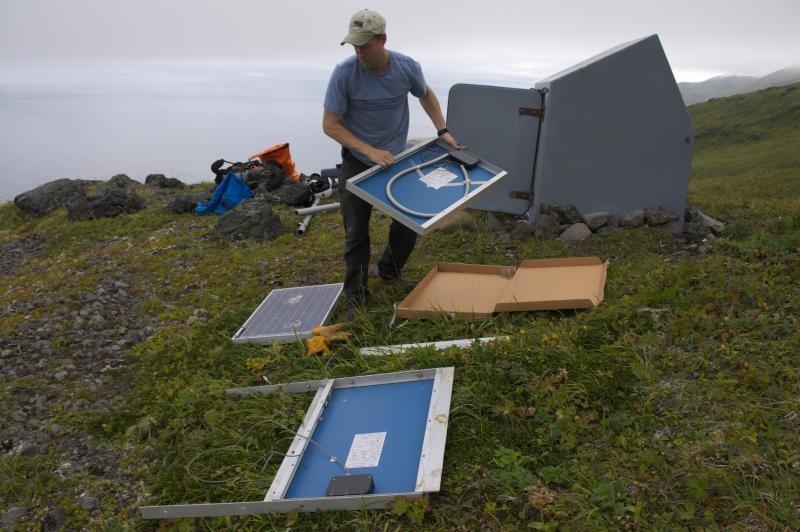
x=228, y=194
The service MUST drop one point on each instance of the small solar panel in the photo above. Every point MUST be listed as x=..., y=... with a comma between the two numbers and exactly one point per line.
x=289, y=314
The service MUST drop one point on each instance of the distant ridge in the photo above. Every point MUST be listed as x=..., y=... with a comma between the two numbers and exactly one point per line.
x=729, y=85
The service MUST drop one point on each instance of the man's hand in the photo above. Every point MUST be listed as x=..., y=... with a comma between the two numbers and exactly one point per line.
x=450, y=139
x=381, y=157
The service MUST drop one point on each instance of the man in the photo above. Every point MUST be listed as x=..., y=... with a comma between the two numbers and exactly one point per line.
x=366, y=111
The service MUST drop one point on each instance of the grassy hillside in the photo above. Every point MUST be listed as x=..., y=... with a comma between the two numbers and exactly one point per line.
x=675, y=404
x=747, y=132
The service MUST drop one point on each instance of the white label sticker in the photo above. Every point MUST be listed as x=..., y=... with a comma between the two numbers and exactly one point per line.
x=365, y=450
x=438, y=178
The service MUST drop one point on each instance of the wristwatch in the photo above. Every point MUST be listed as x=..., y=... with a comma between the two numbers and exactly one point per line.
x=442, y=132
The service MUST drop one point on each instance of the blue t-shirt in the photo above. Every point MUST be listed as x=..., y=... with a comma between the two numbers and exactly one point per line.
x=375, y=107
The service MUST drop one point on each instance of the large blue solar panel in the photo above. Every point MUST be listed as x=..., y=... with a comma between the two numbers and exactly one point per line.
x=400, y=410
x=411, y=191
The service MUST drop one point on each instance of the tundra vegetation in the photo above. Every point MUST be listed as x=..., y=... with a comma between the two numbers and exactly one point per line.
x=675, y=403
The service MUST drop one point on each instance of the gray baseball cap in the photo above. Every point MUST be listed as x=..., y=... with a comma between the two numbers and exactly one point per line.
x=364, y=25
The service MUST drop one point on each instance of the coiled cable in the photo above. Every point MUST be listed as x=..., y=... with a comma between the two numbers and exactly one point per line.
x=467, y=183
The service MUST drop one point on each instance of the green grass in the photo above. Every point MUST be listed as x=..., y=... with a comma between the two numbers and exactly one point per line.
x=674, y=404
x=756, y=131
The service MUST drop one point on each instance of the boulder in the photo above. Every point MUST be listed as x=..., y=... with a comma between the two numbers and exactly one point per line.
x=88, y=502
x=576, y=232
x=659, y=216
x=15, y=513
x=614, y=221
x=696, y=230
x=46, y=198
x=459, y=220
x=251, y=219
x=607, y=230
x=109, y=203
x=122, y=181
x=521, y=230
x=161, y=181
x=567, y=215
x=696, y=216
x=634, y=218
x=595, y=220
x=187, y=202
x=670, y=227
x=546, y=226
x=491, y=223
x=54, y=519
x=290, y=193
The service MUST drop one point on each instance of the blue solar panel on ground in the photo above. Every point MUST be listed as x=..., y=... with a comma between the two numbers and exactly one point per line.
x=288, y=314
x=399, y=411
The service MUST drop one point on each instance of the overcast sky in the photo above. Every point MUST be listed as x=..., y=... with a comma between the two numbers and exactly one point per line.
x=702, y=38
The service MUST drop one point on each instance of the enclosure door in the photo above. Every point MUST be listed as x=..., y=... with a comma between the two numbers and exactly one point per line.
x=497, y=124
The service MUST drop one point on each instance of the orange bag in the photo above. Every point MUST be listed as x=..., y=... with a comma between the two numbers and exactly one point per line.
x=280, y=154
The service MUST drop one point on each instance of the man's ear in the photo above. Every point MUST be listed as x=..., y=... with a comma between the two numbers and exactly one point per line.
x=382, y=38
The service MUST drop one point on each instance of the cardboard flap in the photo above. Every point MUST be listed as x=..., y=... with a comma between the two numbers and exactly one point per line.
x=479, y=290
x=555, y=284
x=457, y=289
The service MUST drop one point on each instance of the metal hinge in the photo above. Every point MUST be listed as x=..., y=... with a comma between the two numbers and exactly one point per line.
x=530, y=111
x=520, y=194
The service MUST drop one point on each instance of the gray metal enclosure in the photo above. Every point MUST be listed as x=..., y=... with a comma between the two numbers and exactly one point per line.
x=609, y=134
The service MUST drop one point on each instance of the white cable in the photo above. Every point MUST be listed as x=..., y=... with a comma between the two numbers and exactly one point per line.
x=400, y=174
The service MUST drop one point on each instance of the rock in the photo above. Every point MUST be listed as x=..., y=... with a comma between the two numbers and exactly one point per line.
x=187, y=202
x=459, y=220
x=521, y=230
x=88, y=502
x=46, y=198
x=251, y=219
x=634, y=218
x=491, y=223
x=567, y=215
x=546, y=226
x=695, y=230
x=122, y=181
x=14, y=514
x=60, y=376
x=161, y=181
x=290, y=191
x=576, y=233
x=54, y=519
x=695, y=215
x=659, y=216
x=595, y=220
x=504, y=238
x=109, y=203
x=614, y=221
x=607, y=230
x=670, y=227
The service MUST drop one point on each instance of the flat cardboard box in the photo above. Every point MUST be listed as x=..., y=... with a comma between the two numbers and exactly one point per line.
x=479, y=290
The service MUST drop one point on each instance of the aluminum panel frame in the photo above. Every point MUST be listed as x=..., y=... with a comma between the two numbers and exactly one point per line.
x=428, y=473
x=282, y=338
x=444, y=214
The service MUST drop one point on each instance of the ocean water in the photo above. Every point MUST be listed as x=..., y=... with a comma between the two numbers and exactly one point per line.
x=95, y=121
